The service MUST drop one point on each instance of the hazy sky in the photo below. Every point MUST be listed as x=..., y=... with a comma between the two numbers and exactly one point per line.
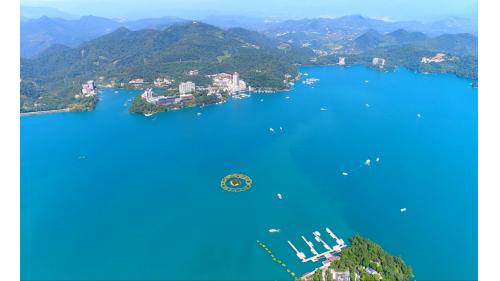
x=195, y=9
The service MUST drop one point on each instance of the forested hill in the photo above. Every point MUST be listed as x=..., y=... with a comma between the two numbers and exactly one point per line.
x=56, y=73
x=457, y=44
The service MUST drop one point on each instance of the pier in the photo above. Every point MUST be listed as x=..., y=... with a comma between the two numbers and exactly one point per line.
x=330, y=250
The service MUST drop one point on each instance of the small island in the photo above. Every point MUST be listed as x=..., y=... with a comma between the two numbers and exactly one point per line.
x=235, y=182
x=365, y=261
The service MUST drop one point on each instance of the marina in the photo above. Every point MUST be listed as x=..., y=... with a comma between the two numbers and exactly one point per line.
x=317, y=256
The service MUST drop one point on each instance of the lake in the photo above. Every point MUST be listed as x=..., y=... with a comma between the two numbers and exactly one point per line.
x=146, y=201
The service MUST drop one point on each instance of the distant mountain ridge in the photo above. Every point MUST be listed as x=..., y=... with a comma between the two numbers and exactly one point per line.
x=457, y=44
x=38, y=12
x=38, y=34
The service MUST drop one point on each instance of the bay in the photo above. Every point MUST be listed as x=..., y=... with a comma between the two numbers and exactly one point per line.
x=146, y=201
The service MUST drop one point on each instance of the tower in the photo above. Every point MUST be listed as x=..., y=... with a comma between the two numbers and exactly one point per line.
x=236, y=81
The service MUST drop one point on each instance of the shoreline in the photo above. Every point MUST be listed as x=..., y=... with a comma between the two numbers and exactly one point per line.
x=46, y=112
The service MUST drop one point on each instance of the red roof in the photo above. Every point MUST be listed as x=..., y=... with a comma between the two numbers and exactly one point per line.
x=305, y=274
x=236, y=73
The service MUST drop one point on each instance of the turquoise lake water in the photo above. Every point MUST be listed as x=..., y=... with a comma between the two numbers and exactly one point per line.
x=146, y=202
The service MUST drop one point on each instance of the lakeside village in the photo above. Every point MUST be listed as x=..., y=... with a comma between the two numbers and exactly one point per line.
x=223, y=86
x=381, y=62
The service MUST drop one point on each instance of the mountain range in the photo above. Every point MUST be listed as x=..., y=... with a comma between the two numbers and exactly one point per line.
x=38, y=34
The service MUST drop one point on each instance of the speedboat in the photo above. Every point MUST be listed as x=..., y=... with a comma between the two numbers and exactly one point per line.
x=273, y=230
x=418, y=115
x=323, y=109
x=377, y=159
x=345, y=174
x=281, y=128
x=403, y=210
x=366, y=81
x=262, y=100
x=271, y=129
x=367, y=162
x=367, y=105
x=116, y=92
x=287, y=97
x=199, y=113
x=279, y=196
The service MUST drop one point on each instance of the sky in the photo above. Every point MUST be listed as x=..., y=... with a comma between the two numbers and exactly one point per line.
x=422, y=10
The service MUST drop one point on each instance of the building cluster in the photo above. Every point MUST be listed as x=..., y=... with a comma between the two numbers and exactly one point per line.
x=136, y=81
x=192, y=72
x=227, y=82
x=161, y=100
x=437, y=58
x=159, y=82
x=379, y=61
x=88, y=89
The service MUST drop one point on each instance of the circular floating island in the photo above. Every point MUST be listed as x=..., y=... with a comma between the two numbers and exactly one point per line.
x=235, y=180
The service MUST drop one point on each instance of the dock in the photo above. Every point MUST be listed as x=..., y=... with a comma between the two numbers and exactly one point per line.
x=330, y=250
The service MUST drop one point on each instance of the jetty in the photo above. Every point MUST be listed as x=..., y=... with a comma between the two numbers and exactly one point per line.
x=317, y=256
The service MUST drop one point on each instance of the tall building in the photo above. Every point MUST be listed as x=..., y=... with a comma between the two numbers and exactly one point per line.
x=236, y=81
x=186, y=87
x=341, y=61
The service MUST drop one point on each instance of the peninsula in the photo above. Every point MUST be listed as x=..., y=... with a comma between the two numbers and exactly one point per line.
x=363, y=260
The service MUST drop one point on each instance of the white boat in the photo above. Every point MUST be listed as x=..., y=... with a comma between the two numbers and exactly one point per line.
x=279, y=196
x=403, y=210
x=306, y=74
x=418, y=115
x=312, y=87
x=367, y=162
x=262, y=100
x=199, y=113
x=377, y=159
x=287, y=97
x=366, y=81
x=345, y=174
x=323, y=109
x=281, y=128
x=271, y=129
x=116, y=92
x=273, y=230
x=367, y=105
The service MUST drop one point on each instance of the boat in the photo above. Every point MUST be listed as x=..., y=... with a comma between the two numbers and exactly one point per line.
x=418, y=115
x=377, y=159
x=306, y=74
x=271, y=129
x=125, y=104
x=83, y=157
x=154, y=119
x=345, y=174
x=287, y=97
x=148, y=114
x=273, y=230
x=366, y=81
x=323, y=109
x=403, y=210
x=116, y=92
x=367, y=162
x=199, y=113
x=312, y=87
x=262, y=100
x=279, y=196
x=281, y=128
x=367, y=105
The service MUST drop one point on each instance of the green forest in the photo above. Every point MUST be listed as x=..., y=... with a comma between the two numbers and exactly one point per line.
x=363, y=253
